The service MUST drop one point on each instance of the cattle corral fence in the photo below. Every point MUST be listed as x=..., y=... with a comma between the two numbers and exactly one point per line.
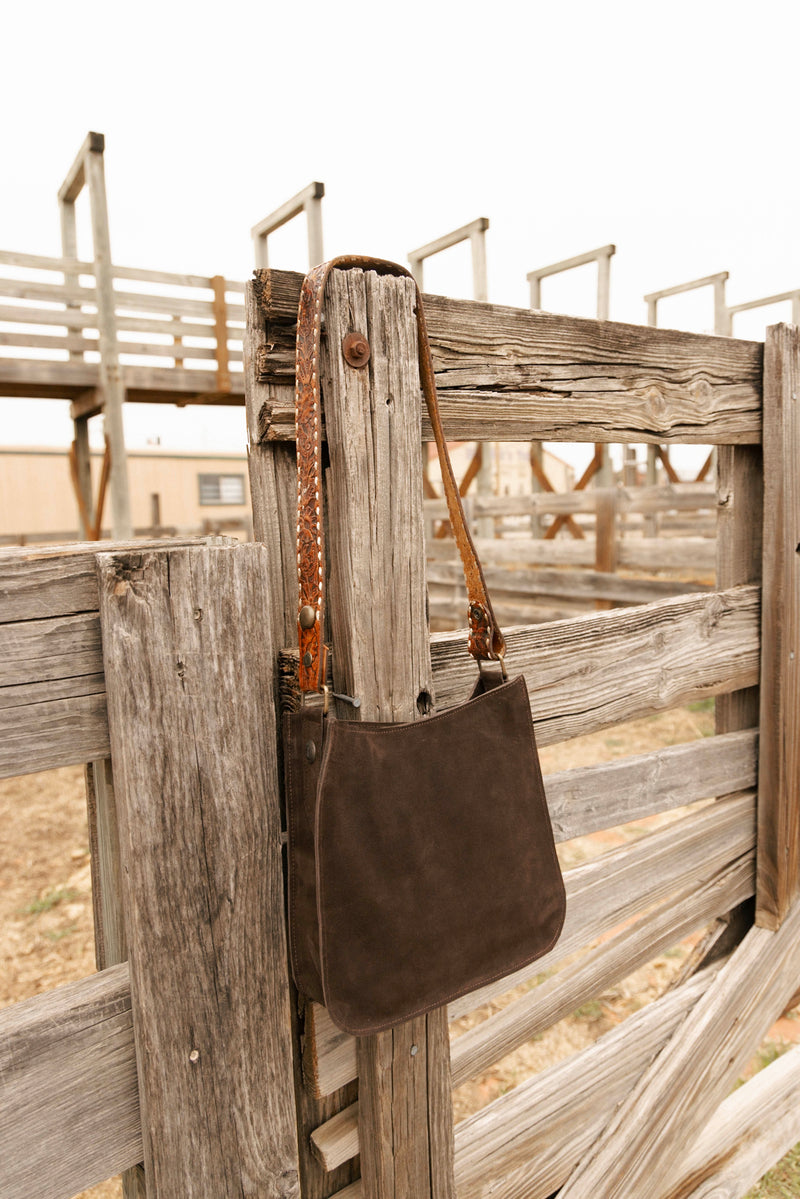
x=163, y=667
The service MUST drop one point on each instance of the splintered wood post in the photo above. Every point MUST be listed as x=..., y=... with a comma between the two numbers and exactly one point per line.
x=273, y=490
x=382, y=654
x=189, y=662
x=779, y=742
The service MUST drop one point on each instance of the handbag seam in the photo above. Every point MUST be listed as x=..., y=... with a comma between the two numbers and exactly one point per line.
x=407, y=725
x=485, y=979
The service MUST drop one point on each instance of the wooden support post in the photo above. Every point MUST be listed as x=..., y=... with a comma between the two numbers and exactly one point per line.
x=779, y=741
x=382, y=654
x=189, y=664
x=87, y=170
x=273, y=488
x=81, y=469
x=309, y=201
x=485, y=485
x=221, y=335
x=606, y=537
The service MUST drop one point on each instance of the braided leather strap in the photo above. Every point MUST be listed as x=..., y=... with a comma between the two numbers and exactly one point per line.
x=486, y=641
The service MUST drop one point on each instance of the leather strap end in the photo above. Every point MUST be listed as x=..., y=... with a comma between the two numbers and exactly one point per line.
x=485, y=639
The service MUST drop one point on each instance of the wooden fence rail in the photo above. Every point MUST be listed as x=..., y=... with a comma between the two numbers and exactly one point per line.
x=161, y=664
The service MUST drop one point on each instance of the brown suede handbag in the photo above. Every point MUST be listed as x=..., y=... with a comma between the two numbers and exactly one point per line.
x=421, y=856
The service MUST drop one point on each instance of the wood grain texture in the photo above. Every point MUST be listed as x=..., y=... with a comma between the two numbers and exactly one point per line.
x=523, y=1145
x=593, y=671
x=67, y=1063
x=506, y=373
x=750, y=1131
x=378, y=625
x=52, y=686
x=614, y=960
x=779, y=759
x=189, y=665
x=679, y=1093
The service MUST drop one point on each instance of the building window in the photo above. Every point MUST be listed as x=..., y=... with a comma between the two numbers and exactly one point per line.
x=221, y=489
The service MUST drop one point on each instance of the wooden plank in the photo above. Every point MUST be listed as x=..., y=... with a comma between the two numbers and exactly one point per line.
x=680, y=1091
x=596, y=670
x=645, y=553
x=404, y=1073
x=37, y=582
x=189, y=663
x=68, y=1099
x=587, y=584
x=59, y=732
x=508, y=374
x=669, y=497
x=606, y=892
x=750, y=1131
x=523, y=1145
x=779, y=759
x=662, y=927
x=587, y=799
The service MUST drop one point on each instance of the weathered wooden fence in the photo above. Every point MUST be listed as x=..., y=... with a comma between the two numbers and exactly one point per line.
x=189, y=1051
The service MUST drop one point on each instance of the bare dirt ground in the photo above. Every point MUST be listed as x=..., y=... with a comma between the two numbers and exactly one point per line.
x=46, y=912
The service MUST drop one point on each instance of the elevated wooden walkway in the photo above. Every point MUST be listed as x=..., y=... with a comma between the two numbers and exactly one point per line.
x=179, y=337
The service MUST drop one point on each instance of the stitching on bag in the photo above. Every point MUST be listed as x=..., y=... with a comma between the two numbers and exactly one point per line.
x=416, y=725
x=473, y=986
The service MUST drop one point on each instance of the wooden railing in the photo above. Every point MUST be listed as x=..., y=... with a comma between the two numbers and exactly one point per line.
x=175, y=333
x=159, y=656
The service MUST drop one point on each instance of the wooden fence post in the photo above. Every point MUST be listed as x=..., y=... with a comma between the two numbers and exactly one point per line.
x=779, y=740
x=189, y=663
x=382, y=654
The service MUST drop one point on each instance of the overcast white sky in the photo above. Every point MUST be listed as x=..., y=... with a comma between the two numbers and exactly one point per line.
x=668, y=129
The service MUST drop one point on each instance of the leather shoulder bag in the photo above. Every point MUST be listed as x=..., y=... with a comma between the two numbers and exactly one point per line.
x=421, y=856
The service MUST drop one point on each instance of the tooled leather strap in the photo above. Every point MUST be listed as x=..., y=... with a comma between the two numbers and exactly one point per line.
x=486, y=641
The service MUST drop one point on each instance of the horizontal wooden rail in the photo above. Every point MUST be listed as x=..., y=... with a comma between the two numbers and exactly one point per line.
x=512, y=374
x=69, y=1105
x=678, y=497
x=574, y=584
x=609, y=667
x=597, y=670
x=74, y=266
x=526, y=1142
x=641, y=553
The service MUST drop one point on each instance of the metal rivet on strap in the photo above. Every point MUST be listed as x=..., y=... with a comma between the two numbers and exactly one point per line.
x=307, y=617
x=307, y=659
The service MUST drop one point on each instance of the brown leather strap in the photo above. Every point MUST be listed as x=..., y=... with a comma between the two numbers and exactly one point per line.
x=485, y=638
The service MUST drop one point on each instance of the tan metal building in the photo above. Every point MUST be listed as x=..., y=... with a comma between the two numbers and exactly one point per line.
x=169, y=489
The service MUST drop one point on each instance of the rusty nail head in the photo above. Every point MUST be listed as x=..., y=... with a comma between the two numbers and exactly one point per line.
x=355, y=348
